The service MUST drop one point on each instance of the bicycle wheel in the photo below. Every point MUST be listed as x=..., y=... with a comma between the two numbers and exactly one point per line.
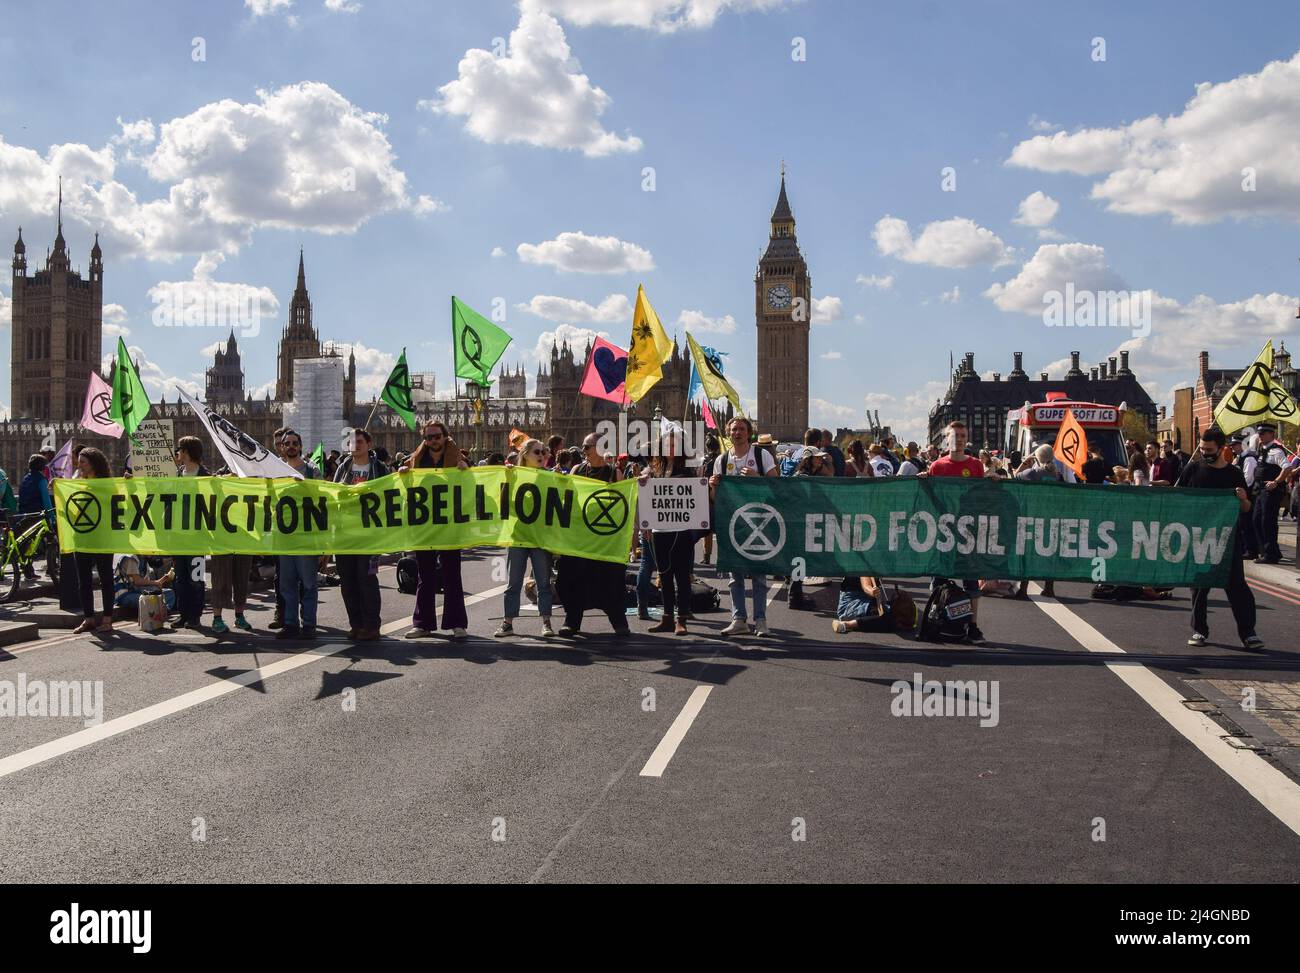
x=11, y=575
x=53, y=558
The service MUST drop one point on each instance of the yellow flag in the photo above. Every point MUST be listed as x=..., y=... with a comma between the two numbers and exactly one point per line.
x=1256, y=398
x=1071, y=446
x=650, y=349
x=708, y=365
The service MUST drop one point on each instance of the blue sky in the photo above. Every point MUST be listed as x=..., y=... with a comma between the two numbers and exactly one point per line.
x=209, y=173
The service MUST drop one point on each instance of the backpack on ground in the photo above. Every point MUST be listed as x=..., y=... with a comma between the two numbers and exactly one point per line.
x=408, y=575
x=947, y=614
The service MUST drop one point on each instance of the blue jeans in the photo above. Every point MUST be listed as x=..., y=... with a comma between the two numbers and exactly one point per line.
x=131, y=599
x=295, y=570
x=854, y=605
x=645, y=576
x=737, y=587
x=517, y=559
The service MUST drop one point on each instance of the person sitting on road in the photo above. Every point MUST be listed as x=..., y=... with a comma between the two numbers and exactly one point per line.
x=134, y=575
x=865, y=607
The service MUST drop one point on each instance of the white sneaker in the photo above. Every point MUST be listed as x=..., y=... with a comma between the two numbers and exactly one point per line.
x=738, y=626
x=838, y=627
x=760, y=629
x=459, y=634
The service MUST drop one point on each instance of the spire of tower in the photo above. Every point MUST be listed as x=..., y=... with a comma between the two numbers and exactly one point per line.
x=302, y=274
x=59, y=244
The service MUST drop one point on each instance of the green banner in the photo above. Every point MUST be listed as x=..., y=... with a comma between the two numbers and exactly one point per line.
x=431, y=509
x=982, y=528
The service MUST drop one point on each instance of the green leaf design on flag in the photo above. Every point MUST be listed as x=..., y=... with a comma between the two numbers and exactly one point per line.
x=130, y=402
x=397, y=392
x=318, y=457
x=477, y=342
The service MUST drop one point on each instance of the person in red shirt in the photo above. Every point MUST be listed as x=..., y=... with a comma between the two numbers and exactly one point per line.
x=955, y=462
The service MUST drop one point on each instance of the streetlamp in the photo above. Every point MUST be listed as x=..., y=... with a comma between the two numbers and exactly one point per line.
x=477, y=395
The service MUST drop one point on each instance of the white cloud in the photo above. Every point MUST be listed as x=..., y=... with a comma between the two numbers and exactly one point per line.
x=576, y=337
x=1037, y=210
x=908, y=416
x=373, y=368
x=204, y=302
x=831, y=356
x=579, y=253
x=113, y=317
x=301, y=157
x=263, y=8
x=958, y=242
x=1052, y=267
x=1190, y=165
x=880, y=283
x=615, y=307
x=950, y=297
x=661, y=15
x=828, y=415
x=1040, y=124
x=342, y=6
x=697, y=321
x=498, y=252
x=156, y=381
x=6, y=310
x=536, y=94
x=827, y=309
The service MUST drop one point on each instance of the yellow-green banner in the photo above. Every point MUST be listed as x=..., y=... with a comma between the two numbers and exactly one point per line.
x=421, y=510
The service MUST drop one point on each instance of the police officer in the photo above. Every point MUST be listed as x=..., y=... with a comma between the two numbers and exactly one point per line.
x=1269, y=489
x=1246, y=461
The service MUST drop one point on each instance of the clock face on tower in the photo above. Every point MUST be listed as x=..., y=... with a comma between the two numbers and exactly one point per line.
x=778, y=297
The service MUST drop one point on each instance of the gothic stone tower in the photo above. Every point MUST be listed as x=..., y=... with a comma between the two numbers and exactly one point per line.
x=225, y=379
x=298, y=339
x=783, y=309
x=56, y=331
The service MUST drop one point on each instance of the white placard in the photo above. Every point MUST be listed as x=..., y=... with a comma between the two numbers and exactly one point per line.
x=673, y=503
x=156, y=453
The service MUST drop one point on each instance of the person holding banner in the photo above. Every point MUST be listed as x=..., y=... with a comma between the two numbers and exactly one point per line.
x=581, y=581
x=439, y=451
x=742, y=459
x=93, y=464
x=1212, y=471
x=191, y=591
x=673, y=550
x=359, y=573
x=295, y=573
x=532, y=455
x=957, y=463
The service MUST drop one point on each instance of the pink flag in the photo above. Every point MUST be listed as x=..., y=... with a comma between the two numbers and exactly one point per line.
x=606, y=373
x=94, y=416
x=709, y=421
x=61, y=465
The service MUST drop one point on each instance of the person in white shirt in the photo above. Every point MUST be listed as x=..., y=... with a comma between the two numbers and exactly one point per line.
x=880, y=464
x=742, y=459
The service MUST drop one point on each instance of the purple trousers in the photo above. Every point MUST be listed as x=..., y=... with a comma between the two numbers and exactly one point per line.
x=439, y=567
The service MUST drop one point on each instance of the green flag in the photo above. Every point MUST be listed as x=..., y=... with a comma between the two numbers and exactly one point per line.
x=318, y=457
x=397, y=392
x=130, y=401
x=478, y=343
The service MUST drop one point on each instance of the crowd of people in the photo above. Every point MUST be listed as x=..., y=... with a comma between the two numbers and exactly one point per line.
x=1262, y=473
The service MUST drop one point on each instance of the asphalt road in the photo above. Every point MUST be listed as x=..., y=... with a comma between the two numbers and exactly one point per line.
x=243, y=759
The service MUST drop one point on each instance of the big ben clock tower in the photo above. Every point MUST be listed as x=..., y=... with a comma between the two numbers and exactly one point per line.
x=783, y=309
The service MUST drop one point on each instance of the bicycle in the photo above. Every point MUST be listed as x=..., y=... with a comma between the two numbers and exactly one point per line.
x=19, y=550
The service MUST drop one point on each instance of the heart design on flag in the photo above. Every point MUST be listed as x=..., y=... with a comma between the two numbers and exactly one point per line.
x=612, y=370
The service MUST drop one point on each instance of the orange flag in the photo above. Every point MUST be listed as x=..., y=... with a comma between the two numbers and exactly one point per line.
x=517, y=438
x=1071, y=446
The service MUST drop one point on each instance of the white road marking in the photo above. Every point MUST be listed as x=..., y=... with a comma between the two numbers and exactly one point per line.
x=1265, y=783
x=655, y=766
x=150, y=714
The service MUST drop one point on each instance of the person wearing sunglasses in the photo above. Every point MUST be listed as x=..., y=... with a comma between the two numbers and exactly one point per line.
x=438, y=450
x=532, y=456
x=359, y=573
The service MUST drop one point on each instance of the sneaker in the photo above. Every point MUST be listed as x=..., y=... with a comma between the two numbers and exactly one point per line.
x=219, y=627
x=547, y=631
x=738, y=626
x=367, y=635
x=276, y=622
x=243, y=623
x=568, y=631
x=973, y=635
x=1253, y=642
x=505, y=631
x=760, y=628
x=1197, y=639
x=839, y=628
x=288, y=632
x=309, y=631
x=414, y=633
x=459, y=635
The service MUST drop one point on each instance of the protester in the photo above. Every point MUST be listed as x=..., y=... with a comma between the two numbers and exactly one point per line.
x=47, y=471
x=359, y=573
x=815, y=462
x=912, y=464
x=297, y=573
x=856, y=461
x=439, y=568
x=583, y=582
x=1174, y=461
x=1139, y=470
x=8, y=499
x=134, y=576
x=643, y=552
x=742, y=459
x=532, y=455
x=34, y=490
x=1268, y=493
x=834, y=452
x=865, y=607
x=1211, y=471
x=957, y=463
x=190, y=587
x=277, y=621
x=891, y=453
x=93, y=465
x=674, y=551
x=879, y=461
x=1248, y=462
x=554, y=446
x=712, y=449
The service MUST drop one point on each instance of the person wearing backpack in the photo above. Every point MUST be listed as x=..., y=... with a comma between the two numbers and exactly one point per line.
x=742, y=459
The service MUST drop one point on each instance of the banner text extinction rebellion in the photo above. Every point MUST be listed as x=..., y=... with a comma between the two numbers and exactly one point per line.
x=424, y=509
